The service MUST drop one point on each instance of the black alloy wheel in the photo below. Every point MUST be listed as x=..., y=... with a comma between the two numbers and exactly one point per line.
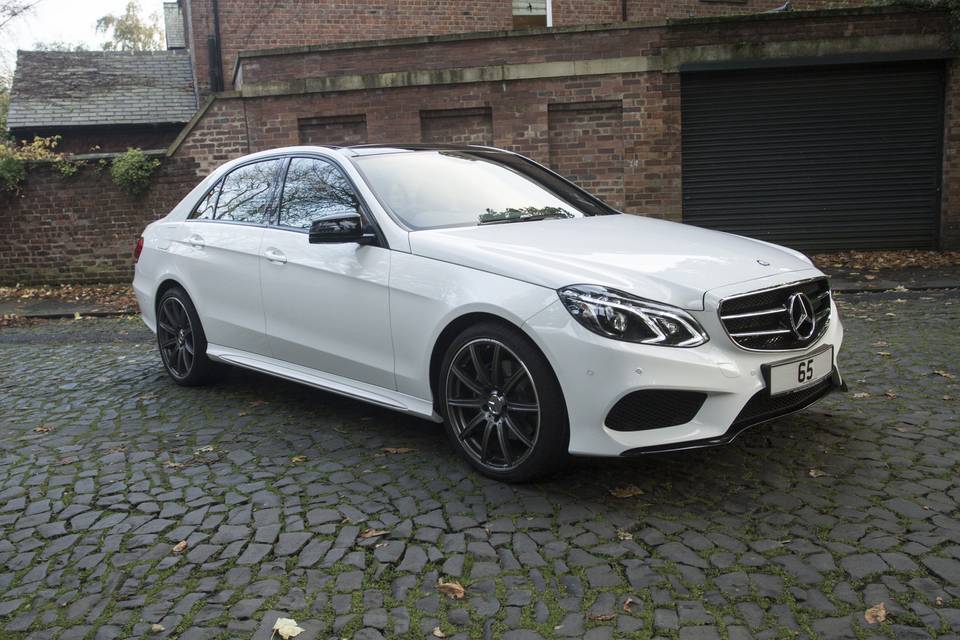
x=502, y=403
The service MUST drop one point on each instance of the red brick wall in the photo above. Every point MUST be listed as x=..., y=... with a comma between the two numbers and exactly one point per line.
x=586, y=146
x=457, y=126
x=333, y=130
x=950, y=206
x=105, y=140
x=249, y=25
x=81, y=228
x=220, y=135
x=254, y=24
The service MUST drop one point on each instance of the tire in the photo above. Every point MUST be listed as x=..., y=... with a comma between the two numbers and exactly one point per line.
x=510, y=425
x=182, y=342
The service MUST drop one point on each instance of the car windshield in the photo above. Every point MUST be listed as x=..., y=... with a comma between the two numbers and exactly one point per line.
x=433, y=189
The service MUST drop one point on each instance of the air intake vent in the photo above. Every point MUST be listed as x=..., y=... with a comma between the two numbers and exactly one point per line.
x=793, y=316
x=654, y=409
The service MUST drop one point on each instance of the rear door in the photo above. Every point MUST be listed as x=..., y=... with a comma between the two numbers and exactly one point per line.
x=327, y=305
x=221, y=254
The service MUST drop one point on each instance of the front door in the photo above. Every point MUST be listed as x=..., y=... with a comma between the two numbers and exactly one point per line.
x=327, y=306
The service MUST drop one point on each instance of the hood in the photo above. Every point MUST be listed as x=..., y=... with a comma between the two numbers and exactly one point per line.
x=654, y=259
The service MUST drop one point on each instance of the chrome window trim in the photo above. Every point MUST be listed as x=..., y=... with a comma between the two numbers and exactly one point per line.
x=821, y=329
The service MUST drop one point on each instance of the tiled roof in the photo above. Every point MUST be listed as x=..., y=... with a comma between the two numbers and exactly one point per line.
x=55, y=89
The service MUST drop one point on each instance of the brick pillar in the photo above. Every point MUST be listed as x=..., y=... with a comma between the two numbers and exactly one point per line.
x=520, y=121
x=950, y=203
x=651, y=128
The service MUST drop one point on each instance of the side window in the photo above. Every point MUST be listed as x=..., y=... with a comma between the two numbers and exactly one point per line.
x=204, y=209
x=315, y=189
x=246, y=192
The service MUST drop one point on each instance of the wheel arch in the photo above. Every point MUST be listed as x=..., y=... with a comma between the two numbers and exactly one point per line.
x=454, y=327
x=165, y=285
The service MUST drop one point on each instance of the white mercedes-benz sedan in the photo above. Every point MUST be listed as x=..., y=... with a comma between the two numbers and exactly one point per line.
x=473, y=286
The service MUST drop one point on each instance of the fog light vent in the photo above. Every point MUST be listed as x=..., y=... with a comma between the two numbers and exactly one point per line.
x=654, y=409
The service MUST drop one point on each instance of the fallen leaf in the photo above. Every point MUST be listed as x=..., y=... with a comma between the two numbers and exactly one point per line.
x=890, y=393
x=300, y=458
x=624, y=535
x=880, y=343
x=398, y=449
x=157, y=628
x=373, y=533
x=41, y=429
x=627, y=604
x=201, y=450
x=870, y=277
x=438, y=633
x=179, y=548
x=626, y=491
x=76, y=315
x=948, y=398
x=875, y=614
x=257, y=403
x=287, y=628
x=816, y=473
x=601, y=617
x=944, y=374
x=452, y=589
x=862, y=394
x=173, y=465
x=884, y=354
x=939, y=601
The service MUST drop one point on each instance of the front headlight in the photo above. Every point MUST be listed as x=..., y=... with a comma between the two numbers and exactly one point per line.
x=614, y=314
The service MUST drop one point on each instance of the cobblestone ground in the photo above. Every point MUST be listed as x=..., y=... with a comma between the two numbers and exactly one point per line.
x=793, y=531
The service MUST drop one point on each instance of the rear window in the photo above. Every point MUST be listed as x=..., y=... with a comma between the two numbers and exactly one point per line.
x=247, y=192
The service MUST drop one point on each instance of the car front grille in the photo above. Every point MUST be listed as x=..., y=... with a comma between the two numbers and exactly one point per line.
x=760, y=321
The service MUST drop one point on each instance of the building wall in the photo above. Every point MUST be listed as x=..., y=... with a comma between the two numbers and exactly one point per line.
x=617, y=132
x=950, y=205
x=81, y=228
x=249, y=25
x=105, y=139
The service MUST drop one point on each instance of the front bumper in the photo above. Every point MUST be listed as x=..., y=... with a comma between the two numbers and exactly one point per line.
x=595, y=373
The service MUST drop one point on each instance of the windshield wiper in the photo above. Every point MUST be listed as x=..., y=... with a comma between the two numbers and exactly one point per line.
x=527, y=214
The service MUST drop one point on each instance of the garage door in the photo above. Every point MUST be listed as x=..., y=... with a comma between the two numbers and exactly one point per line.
x=817, y=158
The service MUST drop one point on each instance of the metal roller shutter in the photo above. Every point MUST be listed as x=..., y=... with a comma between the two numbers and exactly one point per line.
x=816, y=158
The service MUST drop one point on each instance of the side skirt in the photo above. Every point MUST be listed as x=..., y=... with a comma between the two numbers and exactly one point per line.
x=325, y=381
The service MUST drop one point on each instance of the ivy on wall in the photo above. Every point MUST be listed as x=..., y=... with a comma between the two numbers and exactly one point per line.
x=131, y=171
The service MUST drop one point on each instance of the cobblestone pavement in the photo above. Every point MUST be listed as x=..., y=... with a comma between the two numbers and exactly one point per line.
x=795, y=530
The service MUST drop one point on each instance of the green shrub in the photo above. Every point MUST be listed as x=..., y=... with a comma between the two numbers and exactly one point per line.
x=12, y=168
x=14, y=158
x=131, y=171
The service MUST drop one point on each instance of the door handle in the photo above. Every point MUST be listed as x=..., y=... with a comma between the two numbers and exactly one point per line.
x=195, y=240
x=275, y=255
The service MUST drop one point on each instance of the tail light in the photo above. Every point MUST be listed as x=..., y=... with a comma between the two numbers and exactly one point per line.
x=138, y=249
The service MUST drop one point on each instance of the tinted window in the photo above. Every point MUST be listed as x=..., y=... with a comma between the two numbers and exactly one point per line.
x=245, y=196
x=429, y=189
x=315, y=189
x=204, y=210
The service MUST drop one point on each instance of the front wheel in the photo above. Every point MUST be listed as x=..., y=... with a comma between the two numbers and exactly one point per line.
x=503, y=407
x=182, y=343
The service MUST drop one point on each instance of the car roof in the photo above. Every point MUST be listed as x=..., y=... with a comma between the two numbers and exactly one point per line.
x=373, y=149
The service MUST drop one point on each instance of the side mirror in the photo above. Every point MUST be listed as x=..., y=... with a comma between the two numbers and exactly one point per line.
x=343, y=227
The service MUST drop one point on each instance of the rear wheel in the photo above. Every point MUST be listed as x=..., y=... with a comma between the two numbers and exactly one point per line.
x=503, y=407
x=182, y=343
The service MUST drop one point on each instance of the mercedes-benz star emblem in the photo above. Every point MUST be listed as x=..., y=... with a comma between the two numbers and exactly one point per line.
x=803, y=321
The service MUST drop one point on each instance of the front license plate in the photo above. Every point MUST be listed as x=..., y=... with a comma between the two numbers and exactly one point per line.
x=800, y=373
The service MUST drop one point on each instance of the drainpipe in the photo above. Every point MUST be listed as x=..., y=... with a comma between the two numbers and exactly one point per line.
x=623, y=10
x=215, y=51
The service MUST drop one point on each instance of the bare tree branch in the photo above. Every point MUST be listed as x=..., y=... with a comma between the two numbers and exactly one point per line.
x=10, y=10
